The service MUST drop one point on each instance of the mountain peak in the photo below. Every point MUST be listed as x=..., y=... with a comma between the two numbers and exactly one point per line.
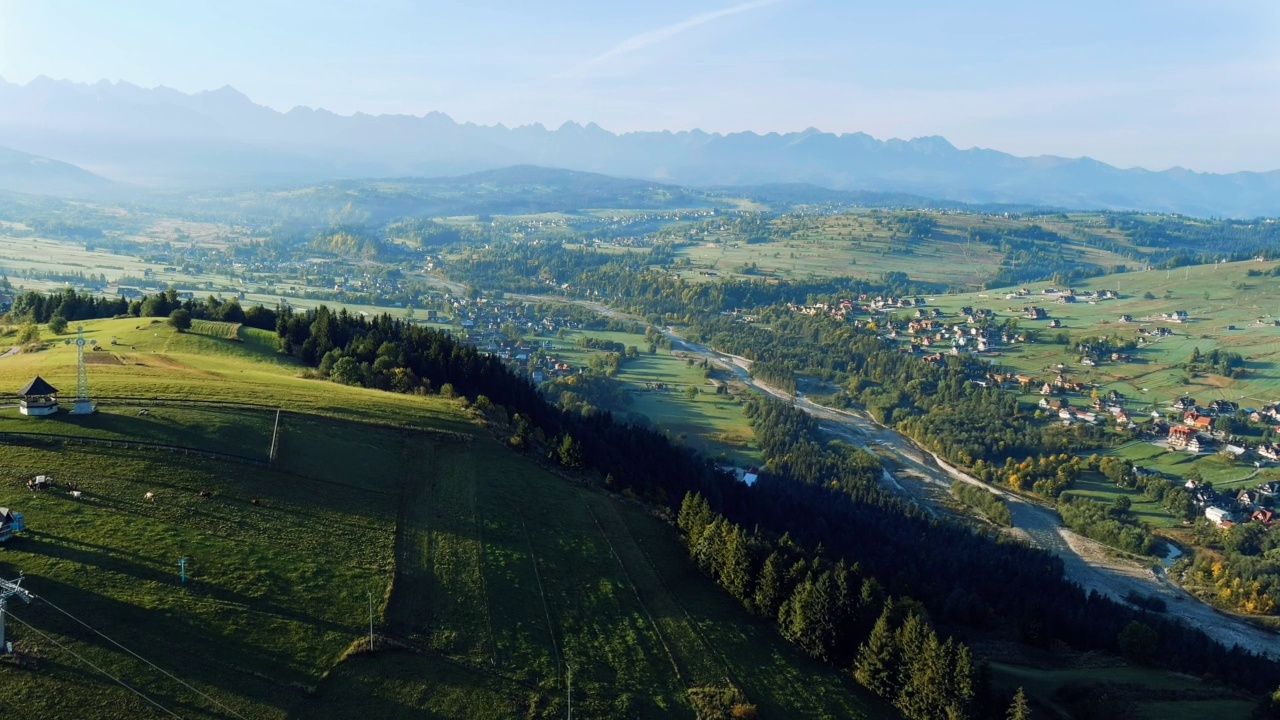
x=225, y=93
x=932, y=144
x=160, y=135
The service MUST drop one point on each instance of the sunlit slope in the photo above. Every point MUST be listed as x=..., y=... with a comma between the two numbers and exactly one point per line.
x=490, y=577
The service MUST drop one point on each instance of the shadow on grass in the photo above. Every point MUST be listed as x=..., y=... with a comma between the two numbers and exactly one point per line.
x=178, y=646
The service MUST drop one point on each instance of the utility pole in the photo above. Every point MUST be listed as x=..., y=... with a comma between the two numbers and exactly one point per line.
x=370, y=621
x=275, y=431
x=9, y=589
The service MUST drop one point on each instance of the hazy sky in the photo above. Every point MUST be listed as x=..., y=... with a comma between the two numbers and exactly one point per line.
x=1154, y=83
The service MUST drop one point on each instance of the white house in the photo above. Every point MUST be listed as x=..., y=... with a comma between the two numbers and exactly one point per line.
x=1217, y=515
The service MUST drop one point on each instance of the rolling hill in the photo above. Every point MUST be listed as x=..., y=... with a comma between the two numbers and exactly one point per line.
x=34, y=175
x=517, y=190
x=485, y=576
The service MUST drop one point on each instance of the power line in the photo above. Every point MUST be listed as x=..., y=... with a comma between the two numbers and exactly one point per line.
x=84, y=660
x=177, y=679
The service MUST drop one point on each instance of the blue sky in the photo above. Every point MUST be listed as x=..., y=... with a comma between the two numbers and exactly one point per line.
x=1130, y=82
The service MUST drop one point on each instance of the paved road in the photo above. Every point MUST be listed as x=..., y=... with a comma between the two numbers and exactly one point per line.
x=1085, y=562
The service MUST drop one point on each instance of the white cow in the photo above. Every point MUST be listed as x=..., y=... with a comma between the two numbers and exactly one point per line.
x=149, y=497
x=75, y=494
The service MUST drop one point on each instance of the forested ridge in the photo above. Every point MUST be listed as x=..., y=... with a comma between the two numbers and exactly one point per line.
x=822, y=498
x=818, y=511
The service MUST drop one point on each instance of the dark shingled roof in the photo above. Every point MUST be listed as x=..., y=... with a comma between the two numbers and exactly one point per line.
x=38, y=388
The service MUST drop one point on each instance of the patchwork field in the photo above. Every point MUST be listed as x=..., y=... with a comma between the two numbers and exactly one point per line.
x=866, y=244
x=1228, y=309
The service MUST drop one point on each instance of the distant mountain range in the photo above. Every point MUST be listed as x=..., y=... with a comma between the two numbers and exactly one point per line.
x=165, y=138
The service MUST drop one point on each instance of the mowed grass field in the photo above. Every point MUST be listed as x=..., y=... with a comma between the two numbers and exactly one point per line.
x=712, y=424
x=489, y=576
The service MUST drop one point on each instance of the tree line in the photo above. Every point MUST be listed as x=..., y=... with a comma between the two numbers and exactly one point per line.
x=36, y=307
x=822, y=498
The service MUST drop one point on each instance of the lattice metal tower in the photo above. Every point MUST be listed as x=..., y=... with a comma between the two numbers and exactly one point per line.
x=9, y=589
x=83, y=405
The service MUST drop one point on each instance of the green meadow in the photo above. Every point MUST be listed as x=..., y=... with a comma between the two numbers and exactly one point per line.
x=489, y=578
x=1228, y=309
x=710, y=423
x=854, y=245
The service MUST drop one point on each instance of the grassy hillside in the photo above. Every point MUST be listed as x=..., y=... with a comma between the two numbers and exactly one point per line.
x=490, y=577
x=870, y=243
x=1227, y=308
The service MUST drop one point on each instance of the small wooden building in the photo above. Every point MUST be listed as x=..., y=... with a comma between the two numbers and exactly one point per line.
x=10, y=523
x=38, y=397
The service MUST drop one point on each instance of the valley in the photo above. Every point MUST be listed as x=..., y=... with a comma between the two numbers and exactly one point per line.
x=673, y=322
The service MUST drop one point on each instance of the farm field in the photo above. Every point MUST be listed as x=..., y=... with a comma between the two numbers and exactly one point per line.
x=854, y=244
x=19, y=254
x=712, y=424
x=489, y=577
x=1238, y=316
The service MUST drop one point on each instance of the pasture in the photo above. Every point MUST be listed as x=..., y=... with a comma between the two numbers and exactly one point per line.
x=865, y=245
x=489, y=576
x=1228, y=309
x=712, y=424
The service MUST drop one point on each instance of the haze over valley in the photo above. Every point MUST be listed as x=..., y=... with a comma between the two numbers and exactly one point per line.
x=160, y=138
x=708, y=360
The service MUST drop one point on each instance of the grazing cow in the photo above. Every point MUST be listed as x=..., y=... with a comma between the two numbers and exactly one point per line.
x=205, y=494
x=143, y=412
x=254, y=501
x=149, y=497
x=75, y=494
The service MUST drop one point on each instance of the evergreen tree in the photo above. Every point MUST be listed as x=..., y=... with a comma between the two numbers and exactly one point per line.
x=806, y=617
x=768, y=592
x=694, y=517
x=1019, y=709
x=876, y=666
x=570, y=453
x=961, y=691
x=917, y=667
x=735, y=564
x=710, y=547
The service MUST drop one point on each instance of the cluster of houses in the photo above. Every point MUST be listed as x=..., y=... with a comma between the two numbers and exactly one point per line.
x=1194, y=432
x=1069, y=296
x=483, y=322
x=1225, y=509
x=1109, y=405
x=868, y=304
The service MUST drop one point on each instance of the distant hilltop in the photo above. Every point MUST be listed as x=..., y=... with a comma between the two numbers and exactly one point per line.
x=163, y=137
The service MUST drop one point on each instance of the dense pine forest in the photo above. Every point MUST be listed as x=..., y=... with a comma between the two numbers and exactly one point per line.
x=819, y=501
